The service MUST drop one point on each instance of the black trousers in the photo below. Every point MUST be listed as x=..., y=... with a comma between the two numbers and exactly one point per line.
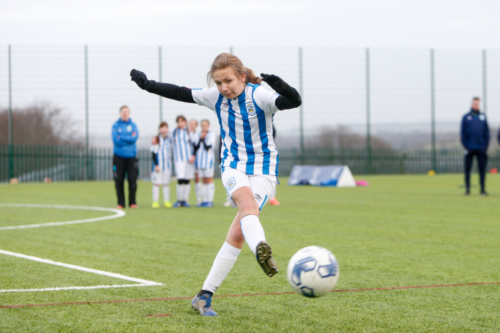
x=482, y=159
x=122, y=166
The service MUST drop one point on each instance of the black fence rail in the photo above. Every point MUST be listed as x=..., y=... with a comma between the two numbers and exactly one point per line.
x=35, y=163
x=382, y=161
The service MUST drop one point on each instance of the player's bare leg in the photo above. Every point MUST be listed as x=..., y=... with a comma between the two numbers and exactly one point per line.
x=246, y=222
x=251, y=229
x=223, y=263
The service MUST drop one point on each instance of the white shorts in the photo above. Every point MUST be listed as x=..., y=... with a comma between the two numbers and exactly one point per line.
x=161, y=177
x=262, y=185
x=205, y=173
x=184, y=170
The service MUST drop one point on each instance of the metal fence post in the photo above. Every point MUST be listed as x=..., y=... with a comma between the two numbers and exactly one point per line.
x=231, y=50
x=368, y=121
x=86, y=114
x=433, y=115
x=160, y=79
x=484, y=83
x=11, y=147
x=301, y=109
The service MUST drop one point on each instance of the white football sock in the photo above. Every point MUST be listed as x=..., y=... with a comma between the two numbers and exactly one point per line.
x=211, y=192
x=179, y=189
x=199, y=192
x=205, y=193
x=274, y=193
x=221, y=267
x=187, y=189
x=156, y=193
x=252, y=231
x=166, y=192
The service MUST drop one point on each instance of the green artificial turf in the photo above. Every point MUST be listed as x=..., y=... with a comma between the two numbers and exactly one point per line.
x=400, y=231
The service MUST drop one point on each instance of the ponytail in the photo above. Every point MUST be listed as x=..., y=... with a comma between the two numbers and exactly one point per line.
x=225, y=60
x=251, y=78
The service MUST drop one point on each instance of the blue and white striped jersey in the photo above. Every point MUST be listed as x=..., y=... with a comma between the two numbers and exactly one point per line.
x=163, y=152
x=183, y=148
x=194, y=137
x=205, y=158
x=246, y=126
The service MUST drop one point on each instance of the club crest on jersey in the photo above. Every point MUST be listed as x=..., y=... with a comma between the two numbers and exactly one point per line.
x=482, y=117
x=129, y=128
x=250, y=109
x=231, y=182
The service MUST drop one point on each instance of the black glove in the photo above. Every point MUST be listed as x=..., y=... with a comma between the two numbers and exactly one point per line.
x=275, y=82
x=140, y=78
x=289, y=98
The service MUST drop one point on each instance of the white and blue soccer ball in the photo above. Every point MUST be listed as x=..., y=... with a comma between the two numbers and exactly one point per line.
x=313, y=271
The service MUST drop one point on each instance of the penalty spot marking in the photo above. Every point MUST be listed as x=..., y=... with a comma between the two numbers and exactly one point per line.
x=242, y=295
x=118, y=213
x=141, y=282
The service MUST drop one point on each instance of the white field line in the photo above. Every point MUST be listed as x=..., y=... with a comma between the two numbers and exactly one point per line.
x=118, y=213
x=142, y=283
x=79, y=288
x=79, y=268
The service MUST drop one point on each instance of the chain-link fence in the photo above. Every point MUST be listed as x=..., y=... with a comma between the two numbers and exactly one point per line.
x=382, y=98
x=36, y=163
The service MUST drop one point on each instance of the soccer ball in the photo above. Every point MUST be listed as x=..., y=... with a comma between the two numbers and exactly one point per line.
x=313, y=271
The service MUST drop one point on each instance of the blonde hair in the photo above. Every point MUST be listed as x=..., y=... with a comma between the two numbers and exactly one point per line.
x=225, y=60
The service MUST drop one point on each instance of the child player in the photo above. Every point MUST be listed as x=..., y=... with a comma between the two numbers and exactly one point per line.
x=162, y=166
x=184, y=161
x=205, y=163
x=194, y=137
x=249, y=165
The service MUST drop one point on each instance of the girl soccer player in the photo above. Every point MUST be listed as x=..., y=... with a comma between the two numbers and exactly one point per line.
x=162, y=166
x=249, y=165
x=205, y=163
x=184, y=161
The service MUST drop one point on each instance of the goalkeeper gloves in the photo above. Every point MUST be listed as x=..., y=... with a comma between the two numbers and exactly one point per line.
x=275, y=82
x=140, y=78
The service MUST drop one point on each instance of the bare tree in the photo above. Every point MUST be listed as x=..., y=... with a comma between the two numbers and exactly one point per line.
x=39, y=124
x=343, y=138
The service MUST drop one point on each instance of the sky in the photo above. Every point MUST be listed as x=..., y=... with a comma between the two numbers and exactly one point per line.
x=353, y=23
x=48, y=39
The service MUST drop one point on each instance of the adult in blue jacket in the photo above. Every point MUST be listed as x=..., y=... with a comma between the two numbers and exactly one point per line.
x=125, y=134
x=475, y=135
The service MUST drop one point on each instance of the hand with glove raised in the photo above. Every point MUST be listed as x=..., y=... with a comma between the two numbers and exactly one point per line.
x=275, y=82
x=140, y=78
x=289, y=98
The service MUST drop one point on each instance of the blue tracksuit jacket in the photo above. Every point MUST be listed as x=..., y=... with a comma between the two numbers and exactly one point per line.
x=124, y=142
x=475, y=133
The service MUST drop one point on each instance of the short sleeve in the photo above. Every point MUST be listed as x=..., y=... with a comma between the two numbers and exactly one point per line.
x=206, y=97
x=194, y=137
x=210, y=141
x=265, y=99
x=155, y=148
